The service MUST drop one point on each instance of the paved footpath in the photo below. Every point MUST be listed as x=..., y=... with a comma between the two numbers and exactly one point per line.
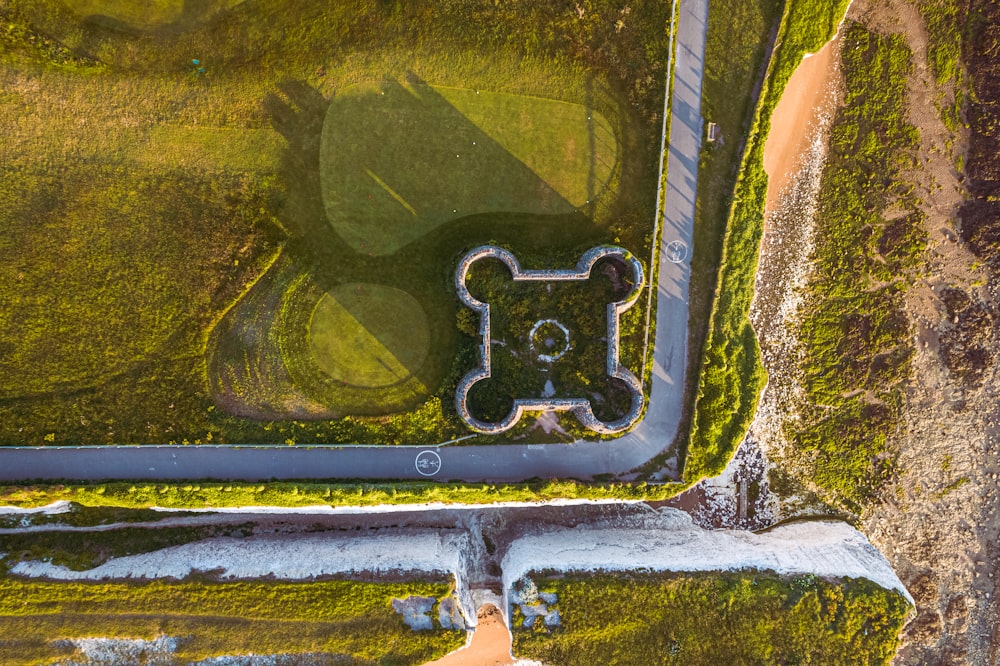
x=504, y=462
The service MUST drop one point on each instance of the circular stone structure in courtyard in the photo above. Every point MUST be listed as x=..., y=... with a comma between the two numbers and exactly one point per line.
x=549, y=340
x=369, y=335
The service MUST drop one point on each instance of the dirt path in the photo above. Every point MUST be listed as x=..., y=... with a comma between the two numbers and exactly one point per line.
x=490, y=645
x=802, y=104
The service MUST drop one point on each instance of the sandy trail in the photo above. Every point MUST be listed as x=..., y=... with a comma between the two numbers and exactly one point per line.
x=802, y=104
x=490, y=645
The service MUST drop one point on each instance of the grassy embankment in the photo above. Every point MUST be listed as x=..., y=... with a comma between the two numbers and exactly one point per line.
x=213, y=495
x=869, y=242
x=728, y=618
x=731, y=376
x=210, y=618
x=104, y=339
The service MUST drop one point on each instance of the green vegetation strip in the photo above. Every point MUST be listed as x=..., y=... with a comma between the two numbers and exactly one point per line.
x=369, y=335
x=726, y=618
x=736, y=45
x=351, y=618
x=80, y=550
x=219, y=495
x=731, y=375
x=853, y=327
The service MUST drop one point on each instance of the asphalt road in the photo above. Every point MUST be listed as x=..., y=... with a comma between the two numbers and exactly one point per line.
x=507, y=462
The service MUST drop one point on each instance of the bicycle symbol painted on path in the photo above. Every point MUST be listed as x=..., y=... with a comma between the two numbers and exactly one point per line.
x=428, y=463
x=676, y=251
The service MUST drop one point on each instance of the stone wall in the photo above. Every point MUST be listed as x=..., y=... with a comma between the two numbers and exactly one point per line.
x=580, y=407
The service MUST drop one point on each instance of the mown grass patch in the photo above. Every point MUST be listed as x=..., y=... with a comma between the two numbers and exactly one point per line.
x=869, y=242
x=366, y=335
x=263, y=617
x=400, y=158
x=731, y=375
x=717, y=618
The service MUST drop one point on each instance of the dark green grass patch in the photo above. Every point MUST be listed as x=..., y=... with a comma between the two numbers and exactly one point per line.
x=337, y=617
x=720, y=618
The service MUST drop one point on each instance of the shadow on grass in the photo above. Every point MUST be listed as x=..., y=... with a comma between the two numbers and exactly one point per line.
x=427, y=129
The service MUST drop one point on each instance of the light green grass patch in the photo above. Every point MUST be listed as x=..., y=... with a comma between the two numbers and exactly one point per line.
x=545, y=135
x=211, y=149
x=400, y=159
x=369, y=335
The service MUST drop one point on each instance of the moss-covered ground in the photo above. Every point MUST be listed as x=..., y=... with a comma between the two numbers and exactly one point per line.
x=718, y=618
x=855, y=335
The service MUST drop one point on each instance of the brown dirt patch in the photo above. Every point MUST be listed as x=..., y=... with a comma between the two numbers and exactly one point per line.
x=802, y=103
x=490, y=645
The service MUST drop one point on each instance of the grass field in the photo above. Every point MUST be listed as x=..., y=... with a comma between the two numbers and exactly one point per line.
x=725, y=618
x=400, y=158
x=130, y=12
x=171, y=231
x=339, y=617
